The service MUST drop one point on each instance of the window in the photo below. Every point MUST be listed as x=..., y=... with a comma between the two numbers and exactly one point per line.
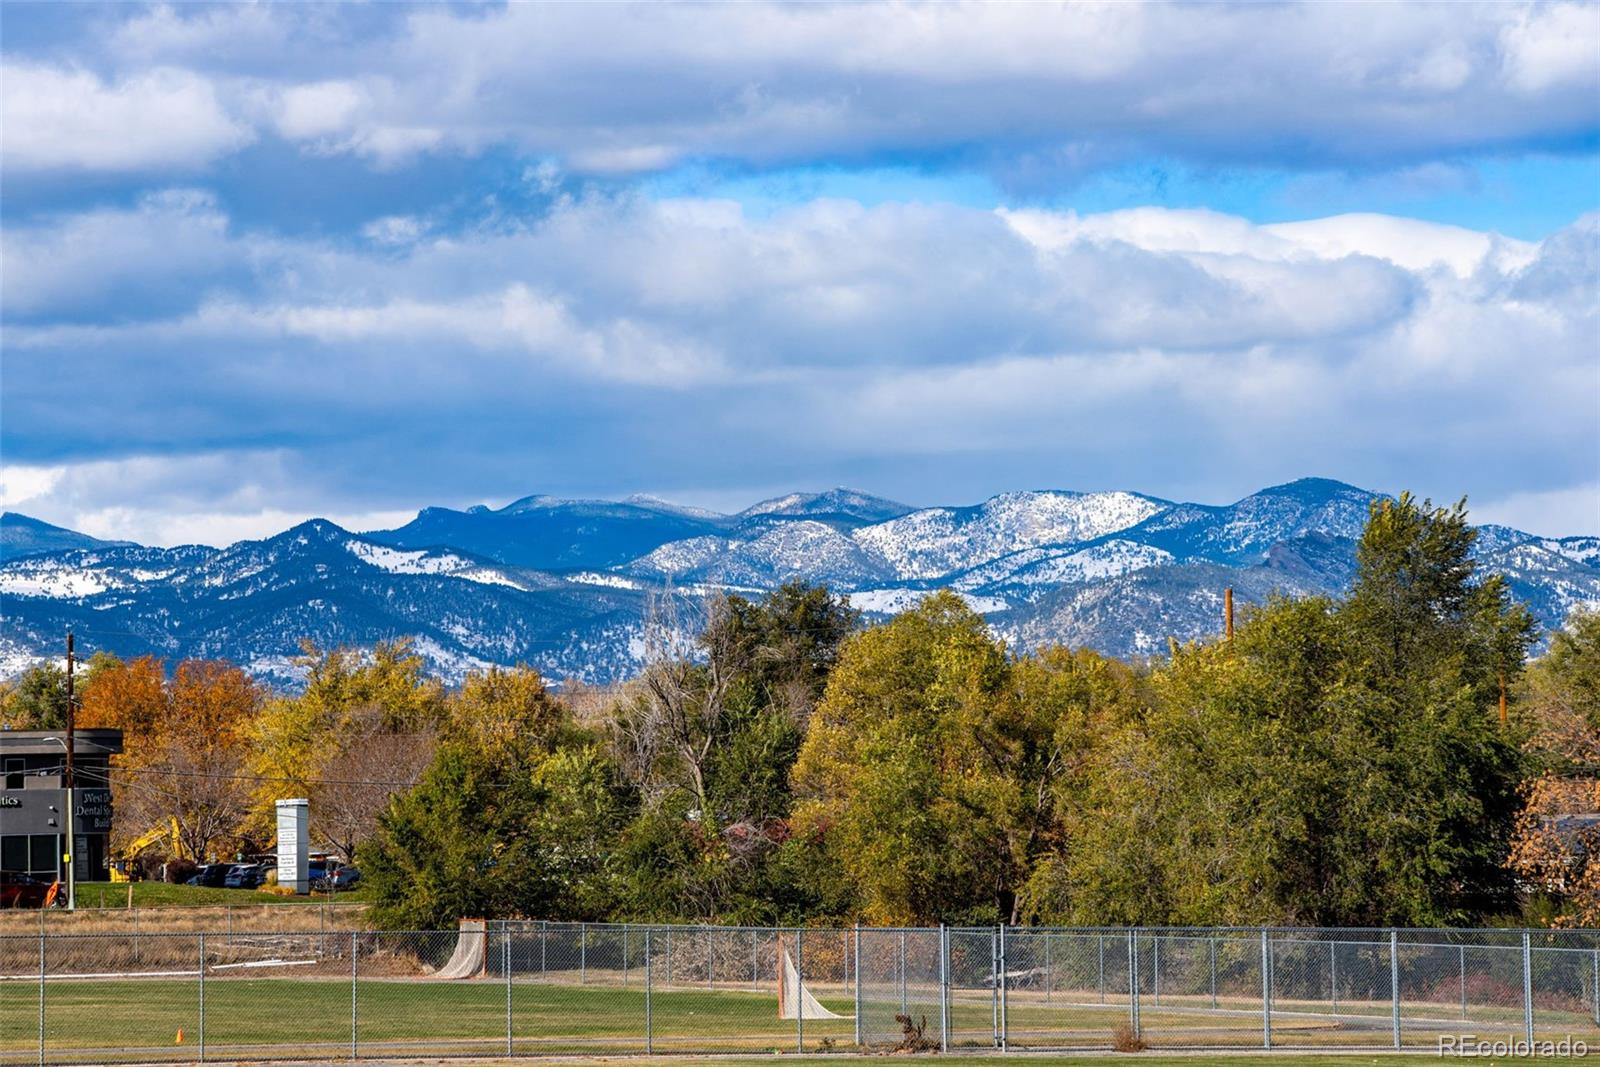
x=42, y=852
x=13, y=773
x=14, y=853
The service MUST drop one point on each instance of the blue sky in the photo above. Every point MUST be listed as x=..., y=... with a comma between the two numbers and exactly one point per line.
x=265, y=261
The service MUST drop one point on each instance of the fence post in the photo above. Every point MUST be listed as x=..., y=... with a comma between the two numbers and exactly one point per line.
x=1266, y=990
x=799, y=990
x=1155, y=966
x=902, y=972
x=1133, y=981
x=1394, y=983
x=1527, y=987
x=1333, y=973
x=41, y=987
x=625, y=929
x=755, y=960
x=202, y=998
x=1101, y=980
x=1462, y=951
x=1594, y=987
x=583, y=953
x=505, y=965
x=354, y=948
x=1211, y=946
x=1005, y=1015
x=544, y=939
x=1049, y=975
x=994, y=985
x=944, y=988
x=858, y=983
x=649, y=1029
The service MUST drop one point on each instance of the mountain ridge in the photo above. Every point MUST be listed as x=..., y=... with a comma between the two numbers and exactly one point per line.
x=1119, y=571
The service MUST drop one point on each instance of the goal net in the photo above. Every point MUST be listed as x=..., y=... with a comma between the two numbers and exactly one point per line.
x=469, y=958
x=794, y=999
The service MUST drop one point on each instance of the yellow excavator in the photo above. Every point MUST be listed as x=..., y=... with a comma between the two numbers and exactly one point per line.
x=166, y=833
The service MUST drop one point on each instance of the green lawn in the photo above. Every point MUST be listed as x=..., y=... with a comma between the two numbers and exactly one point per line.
x=289, y=1017
x=161, y=894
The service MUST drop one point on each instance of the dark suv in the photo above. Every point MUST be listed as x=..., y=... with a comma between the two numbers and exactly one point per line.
x=212, y=874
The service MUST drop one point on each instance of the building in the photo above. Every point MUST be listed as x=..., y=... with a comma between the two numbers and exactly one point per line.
x=33, y=822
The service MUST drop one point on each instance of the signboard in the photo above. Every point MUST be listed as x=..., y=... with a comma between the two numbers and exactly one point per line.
x=93, y=813
x=294, y=844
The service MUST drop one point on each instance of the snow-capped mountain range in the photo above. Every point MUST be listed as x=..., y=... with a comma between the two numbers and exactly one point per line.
x=565, y=585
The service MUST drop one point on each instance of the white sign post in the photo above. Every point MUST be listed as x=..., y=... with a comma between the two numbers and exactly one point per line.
x=294, y=844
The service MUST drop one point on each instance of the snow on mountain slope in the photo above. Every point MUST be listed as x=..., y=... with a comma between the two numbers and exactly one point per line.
x=936, y=542
x=1585, y=550
x=1028, y=572
x=779, y=552
x=1243, y=531
x=894, y=601
x=850, y=505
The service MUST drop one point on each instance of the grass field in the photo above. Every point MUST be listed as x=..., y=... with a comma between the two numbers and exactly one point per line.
x=112, y=1020
x=162, y=894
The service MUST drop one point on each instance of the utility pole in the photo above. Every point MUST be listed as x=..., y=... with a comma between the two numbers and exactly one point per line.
x=1502, y=698
x=72, y=797
x=1227, y=612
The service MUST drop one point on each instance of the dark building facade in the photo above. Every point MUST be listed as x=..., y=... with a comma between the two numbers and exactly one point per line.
x=33, y=804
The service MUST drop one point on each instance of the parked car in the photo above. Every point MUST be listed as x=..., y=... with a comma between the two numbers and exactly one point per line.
x=244, y=876
x=338, y=880
x=18, y=890
x=212, y=874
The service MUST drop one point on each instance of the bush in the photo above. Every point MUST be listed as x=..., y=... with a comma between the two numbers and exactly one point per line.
x=1125, y=1039
x=178, y=871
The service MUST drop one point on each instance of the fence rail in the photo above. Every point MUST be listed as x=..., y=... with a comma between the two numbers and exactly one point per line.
x=527, y=988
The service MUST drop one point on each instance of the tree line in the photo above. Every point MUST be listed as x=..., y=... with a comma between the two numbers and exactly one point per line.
x=1339, y=761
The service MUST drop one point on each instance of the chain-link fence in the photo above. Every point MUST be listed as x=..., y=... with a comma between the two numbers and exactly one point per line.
x=526, y=988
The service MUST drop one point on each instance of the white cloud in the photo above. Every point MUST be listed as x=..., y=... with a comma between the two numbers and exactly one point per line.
x=1552, y=512
x=205, y=498
x=1028, y=91
x=305, y=112
x=627, y=339
x=58, y=118
x=20, y=485
x=1552, y=45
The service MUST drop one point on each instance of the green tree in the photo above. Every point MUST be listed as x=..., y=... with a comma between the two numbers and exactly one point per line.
x=708, y=738
x=515, y=817
x=37, y=700
x=927, y=779
x=1337, y=763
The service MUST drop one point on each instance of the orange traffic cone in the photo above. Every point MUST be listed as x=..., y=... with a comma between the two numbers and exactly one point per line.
x=180, y=1035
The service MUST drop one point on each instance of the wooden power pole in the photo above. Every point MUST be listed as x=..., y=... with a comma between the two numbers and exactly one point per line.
x=1227, y=613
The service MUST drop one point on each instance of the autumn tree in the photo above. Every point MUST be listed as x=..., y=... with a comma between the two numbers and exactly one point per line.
x=189, y=763
x=362, y=729
x=1556, y=850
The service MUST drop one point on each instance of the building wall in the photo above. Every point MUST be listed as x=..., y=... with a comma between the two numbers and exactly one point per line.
x=33, y=804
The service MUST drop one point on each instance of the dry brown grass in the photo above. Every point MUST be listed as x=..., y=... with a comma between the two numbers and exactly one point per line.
x=207, y=919
x=1124, y=1039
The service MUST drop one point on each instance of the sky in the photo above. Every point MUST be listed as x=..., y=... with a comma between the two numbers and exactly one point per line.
x=260, y=262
